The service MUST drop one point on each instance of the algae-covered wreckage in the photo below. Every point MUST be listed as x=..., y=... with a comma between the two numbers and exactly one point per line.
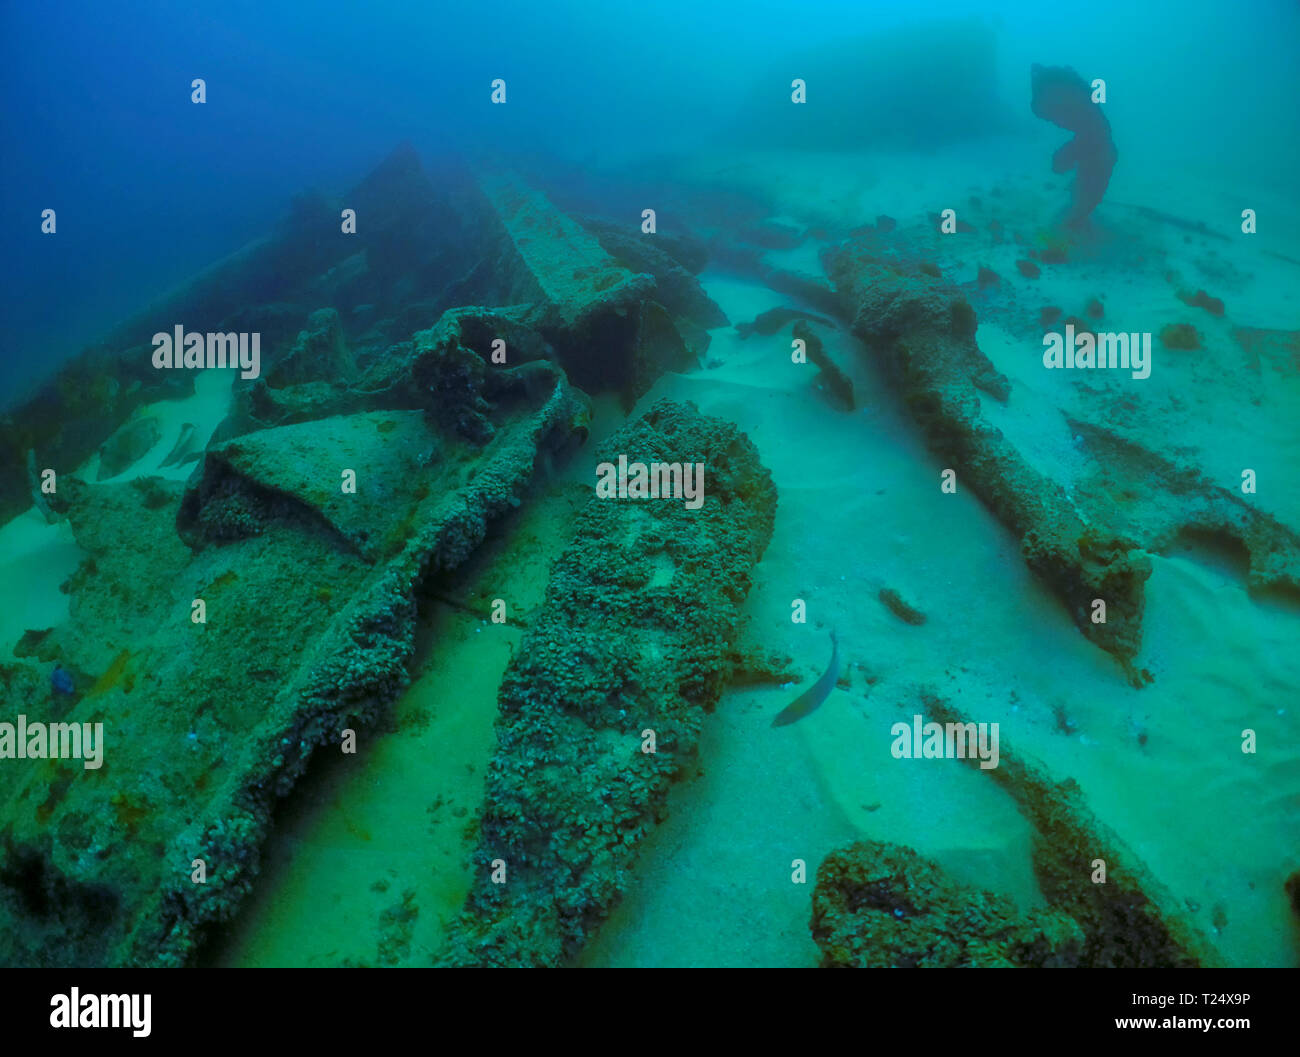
x=878, y=905
x=604, y=703
x=248, y=588
x=1086, y=544
x=227, y=627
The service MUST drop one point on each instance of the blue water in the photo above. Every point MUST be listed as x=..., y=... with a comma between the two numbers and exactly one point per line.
x=98, y=124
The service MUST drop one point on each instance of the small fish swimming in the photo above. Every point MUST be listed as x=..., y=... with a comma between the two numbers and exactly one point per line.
x=127, y=446
x=811, y=698
x=61, y=680
x=183, y=449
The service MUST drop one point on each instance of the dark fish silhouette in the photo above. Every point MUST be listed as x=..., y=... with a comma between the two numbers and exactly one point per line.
x=184, y=449
x=811, y=698
x=1061, y=96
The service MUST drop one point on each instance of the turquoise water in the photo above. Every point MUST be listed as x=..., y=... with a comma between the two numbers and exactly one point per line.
x=500, y=165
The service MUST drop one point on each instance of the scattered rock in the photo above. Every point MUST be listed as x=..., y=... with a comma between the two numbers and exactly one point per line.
x=1277, y=349
x=1180, y=336
x=1028, y=269
x=893, y=601
x=1201, y=299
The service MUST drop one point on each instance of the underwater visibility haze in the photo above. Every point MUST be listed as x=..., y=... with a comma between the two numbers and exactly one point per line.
x=479, y=485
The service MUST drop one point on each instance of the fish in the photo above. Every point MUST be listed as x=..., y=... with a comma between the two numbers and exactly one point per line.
x=61, y=680
x=39, y=499
x=127, y=446
x=811, y=698
x=183, y=447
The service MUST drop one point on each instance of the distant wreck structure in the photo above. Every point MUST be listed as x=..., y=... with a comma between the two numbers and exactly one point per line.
x=336, y=311
x=910, y=87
